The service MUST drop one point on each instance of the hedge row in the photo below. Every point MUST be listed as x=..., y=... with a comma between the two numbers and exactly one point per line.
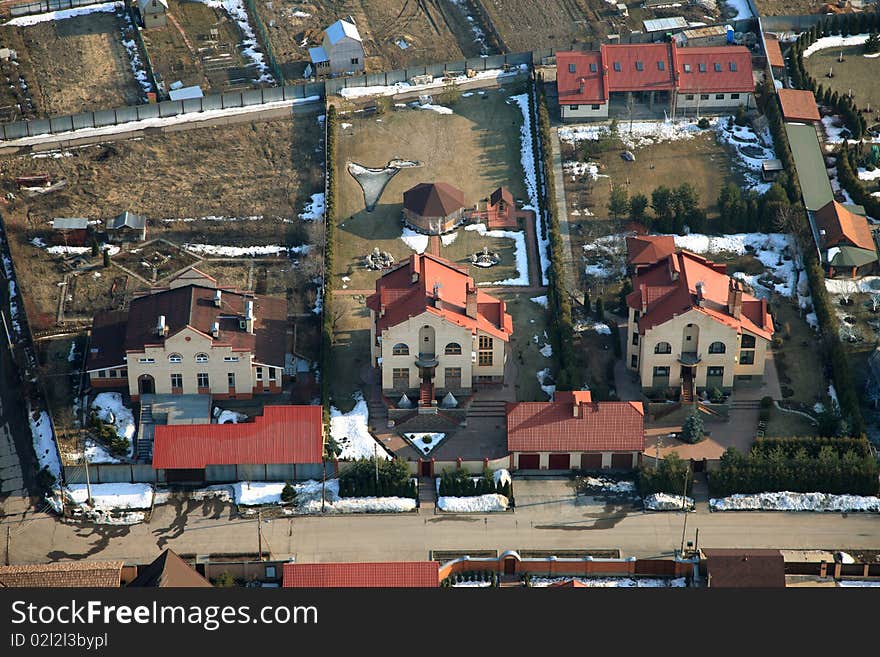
x=849, y=180
x=835, y=355
x=813, y=445
x=329, y=248
x=668, y=476
x=557, y=297
x=779, y=470
x=385, y=478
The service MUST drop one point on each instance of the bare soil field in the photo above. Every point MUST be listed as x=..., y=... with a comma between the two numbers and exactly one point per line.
x=476, y=149
x=101, y=289
x=77, y=64
x=262, y=170
x=524, y=25
x=788, y=7
x=431, y=30
x=199, y=45
x=155, y=260
x=857, y=73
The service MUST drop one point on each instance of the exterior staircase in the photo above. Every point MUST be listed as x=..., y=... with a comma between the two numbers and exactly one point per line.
x=146, y=429
x=487, y=408
x=427, y=497
x=687, y=386
x=427, y=403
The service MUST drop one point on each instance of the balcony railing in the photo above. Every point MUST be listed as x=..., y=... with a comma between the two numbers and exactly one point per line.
x=427, y=359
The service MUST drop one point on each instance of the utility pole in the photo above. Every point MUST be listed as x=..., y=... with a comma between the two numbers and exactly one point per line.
x=376, y=462
x=8, y=534
x=6, y=329
x=88, y=482
x=684, y=507
x=260, y=533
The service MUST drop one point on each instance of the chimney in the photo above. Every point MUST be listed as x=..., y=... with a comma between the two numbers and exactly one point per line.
x=734, y=299
x=575, y=408
x=249, y=316
x=215, y=330
x=218, y=298
x=162, y=327
x=438, y=302
x=643, y=293
x=471, y=300
x=701, y=300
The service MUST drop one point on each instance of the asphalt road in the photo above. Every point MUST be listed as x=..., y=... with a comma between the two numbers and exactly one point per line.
x=214, y=528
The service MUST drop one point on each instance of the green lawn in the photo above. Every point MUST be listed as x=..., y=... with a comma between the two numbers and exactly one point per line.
x=798, y=360
x=351, y=349
x=529, y=320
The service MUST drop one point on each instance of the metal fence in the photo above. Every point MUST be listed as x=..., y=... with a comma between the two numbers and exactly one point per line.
x=121, y=115
x=264, y=41
x=791, y=23
x=142, y=47
x=42, y=6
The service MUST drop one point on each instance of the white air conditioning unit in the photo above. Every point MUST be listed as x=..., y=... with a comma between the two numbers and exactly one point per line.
x=473, y=356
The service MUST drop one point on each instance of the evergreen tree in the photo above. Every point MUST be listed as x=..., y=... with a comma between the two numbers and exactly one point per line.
x=692, y=429
x=288, y=494
x=587, y=306
x=873, y=43
x=637, y=206
x=106, y=257
x=600, y=309
x=618, y=204
x=662, y=204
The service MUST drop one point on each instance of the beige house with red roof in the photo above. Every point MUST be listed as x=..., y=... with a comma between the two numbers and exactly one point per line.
x=191, y=338
x=434, y=332
x=660, y=75
x=691, y=326
x=574, y=432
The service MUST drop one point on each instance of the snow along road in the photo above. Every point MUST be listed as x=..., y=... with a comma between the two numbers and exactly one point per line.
x=214, y=527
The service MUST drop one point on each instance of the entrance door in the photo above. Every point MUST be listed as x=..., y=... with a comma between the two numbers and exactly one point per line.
x=560, y=462
x=529, y=461
x=510, y=566
x=146, y=385
x=426, y=468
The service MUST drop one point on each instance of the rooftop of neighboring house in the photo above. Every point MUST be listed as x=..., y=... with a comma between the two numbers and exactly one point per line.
x=591, y=76
x=844, y=225
x=572, y=422
x=63, y=574
x=342, y=29
x=146, y=4
x=168, y=570
x=428, y=283
x=684, y=281
x=648, y=249
x=396, y=574
x=70, y=223
x=433, y=199
x=126, y=220
x=202, y=309
x=739, y=568
x=282, y=435
x=798, y=105
x=774, y=52
x=501, y=194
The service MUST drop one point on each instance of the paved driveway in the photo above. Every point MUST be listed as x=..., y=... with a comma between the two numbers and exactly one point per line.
x=543, y=493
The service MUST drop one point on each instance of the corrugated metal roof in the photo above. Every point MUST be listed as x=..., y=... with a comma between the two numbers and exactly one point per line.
x=660, y=24
x=70, y=223
x=810, y=165
x=282, y=435
x=396, y=574
x=342, y=29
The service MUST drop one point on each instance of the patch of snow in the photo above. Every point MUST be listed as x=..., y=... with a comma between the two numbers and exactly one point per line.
x=864, y=174
x=835, y=129
x=351, y=431
x=44, y=442
x=440, y=109
x=546, y=350
x=599, y=327
x=611, y=486
x=549, y=389
x=788, y=501
x=24, y=21
x=578, y=169
x=402, y=44
x=416, y=241
x=314, y=209
x=250, y=47
x=835, y=41
x=742, y=8
x=832, y=393
x=95, y=453
x=134, y=57
x=448, y=238
x=501, y=476
x=739, y=138
x=643, y=133
x=473, y=504
x=110, y=403
x=436, y=83
x=521, y=254
x=666, y=502
x=244, y=251
x=869, y=284
x=425, y=442
x=527, y=158
x=308, y=498
x=541, y=300
x=613, y=582
x=112, y=497
x=229, y=417
x=74, y=250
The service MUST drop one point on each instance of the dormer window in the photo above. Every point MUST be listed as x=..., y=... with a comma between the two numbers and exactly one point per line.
x=733, y=67
x=593, y=67
x=572, y=68
x=617, y=66
x=702, y=67
x=661, y=65
x=717, y=67
x=687, y=68
x=640, y=66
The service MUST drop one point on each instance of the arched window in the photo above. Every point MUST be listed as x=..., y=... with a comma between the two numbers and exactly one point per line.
x=453, y=349
x=717, y=348
x=663, y=348
x=201, y=358
x=175, y=358
x=400, y=349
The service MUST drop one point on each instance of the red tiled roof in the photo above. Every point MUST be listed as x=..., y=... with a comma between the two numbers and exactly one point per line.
x=798, y=105
x=842, y=226
x=282, y=435
x=63, y=574
x=774, y=52
x=501, y=194
x=648, y=249
x=552, y=426
x=193, y=306
x=402, y=298
x=392, y=574
x=650, y=67
x=669, y=288
x=713, y=80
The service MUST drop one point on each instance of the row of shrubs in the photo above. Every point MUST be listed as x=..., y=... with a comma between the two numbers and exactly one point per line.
x=489, y=576
x=459, y=483
x=106, y=433
x=813, y=445
x=834, y=352
x=668, y=476
x=558, y=299
x=377, y=478
x=847, y=166
x=329, y=250
x=830, y=470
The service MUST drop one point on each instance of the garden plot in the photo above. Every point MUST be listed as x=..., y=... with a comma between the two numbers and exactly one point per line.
x=425, y=442
x=79, y=58
x=239, y=185
x=475, y=149
x=788, y=501
x=530, y=325
x=155, y=260
x=857, y=306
